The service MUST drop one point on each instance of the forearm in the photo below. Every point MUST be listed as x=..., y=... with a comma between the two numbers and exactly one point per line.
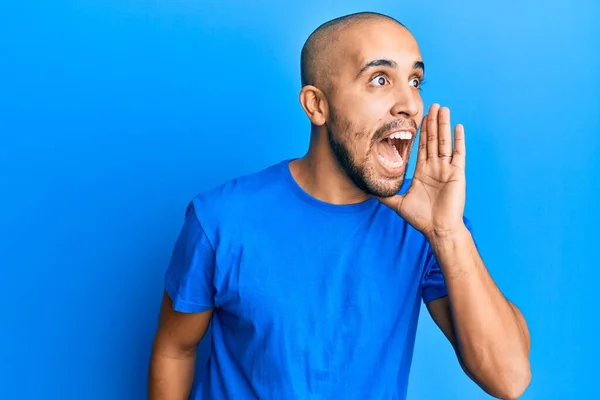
x=171, y=375
x=490, y=333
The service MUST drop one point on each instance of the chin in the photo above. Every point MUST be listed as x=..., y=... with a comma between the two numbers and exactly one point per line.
x=385, y=186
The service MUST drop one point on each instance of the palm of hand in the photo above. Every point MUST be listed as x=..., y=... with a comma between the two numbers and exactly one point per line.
x=435, y=200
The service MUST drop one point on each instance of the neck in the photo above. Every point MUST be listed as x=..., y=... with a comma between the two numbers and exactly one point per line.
x=319, y=174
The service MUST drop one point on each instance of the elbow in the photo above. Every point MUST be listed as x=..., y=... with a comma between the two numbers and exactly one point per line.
x=506, y=380
x=514, y=383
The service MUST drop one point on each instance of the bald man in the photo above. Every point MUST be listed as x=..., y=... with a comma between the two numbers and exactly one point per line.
x=312, y=271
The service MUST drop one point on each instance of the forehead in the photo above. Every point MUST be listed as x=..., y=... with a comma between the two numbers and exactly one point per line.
x=372, y=40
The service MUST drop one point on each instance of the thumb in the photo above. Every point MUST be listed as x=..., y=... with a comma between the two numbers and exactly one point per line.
x=392, y=202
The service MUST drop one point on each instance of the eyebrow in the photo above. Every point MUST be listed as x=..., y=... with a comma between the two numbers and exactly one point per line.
x=419, y=65
x=388, y=63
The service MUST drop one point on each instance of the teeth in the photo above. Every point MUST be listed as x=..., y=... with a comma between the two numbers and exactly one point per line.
x=401, y=135
x=392, y=164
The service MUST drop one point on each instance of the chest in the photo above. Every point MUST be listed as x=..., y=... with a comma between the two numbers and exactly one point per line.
x=331, y=271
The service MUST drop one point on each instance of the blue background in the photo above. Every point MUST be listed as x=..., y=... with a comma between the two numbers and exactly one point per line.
x=113, y=114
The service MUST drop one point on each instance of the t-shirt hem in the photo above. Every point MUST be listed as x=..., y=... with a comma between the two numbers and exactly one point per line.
x=432, y=295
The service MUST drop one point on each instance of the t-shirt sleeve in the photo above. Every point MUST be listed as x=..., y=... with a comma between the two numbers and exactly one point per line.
x=190, y=272
x=433, y=285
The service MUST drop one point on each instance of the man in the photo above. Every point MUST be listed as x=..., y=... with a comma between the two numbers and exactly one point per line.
x=312, y=270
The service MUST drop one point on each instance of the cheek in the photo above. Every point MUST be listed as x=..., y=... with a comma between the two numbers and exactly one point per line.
x=371, y=110
x=365, y=119
x=364, y=109
x=353, y=135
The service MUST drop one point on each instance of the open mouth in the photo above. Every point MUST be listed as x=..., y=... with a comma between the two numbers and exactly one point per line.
x=392, y=151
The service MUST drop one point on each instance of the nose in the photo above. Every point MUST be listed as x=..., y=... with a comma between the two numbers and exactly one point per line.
x=407, y=101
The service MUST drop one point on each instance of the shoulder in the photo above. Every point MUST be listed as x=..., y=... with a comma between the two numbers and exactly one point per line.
x=234, y=199
x=240, y=190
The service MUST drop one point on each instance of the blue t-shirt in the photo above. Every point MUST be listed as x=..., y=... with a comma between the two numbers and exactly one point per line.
x=311, y=300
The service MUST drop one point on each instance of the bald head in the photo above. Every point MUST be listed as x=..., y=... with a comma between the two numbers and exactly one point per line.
x=321, y=49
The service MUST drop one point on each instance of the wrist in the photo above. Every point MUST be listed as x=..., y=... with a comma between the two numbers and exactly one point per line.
x=448, y=237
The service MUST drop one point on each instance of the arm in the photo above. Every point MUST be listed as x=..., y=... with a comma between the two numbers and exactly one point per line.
x=187, y=307
x=174, y=352
x=488, y=332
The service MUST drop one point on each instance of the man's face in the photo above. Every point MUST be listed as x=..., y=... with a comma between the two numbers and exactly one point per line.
x=375, y=105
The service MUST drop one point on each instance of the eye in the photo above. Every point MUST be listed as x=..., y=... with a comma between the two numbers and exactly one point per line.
x=379, y=80
x=415, y=82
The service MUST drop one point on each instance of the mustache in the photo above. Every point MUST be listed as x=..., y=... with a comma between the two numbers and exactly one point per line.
x=395, y=125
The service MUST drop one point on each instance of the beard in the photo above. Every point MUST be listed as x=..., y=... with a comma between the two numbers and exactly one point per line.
x=362, y=174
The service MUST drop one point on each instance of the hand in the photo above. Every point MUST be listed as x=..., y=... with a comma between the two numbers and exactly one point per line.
x=435, y=201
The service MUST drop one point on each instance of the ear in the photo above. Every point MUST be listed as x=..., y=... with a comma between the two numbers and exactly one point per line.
x=315, y=105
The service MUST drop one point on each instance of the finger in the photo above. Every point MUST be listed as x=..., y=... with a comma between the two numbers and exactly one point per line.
x=460, y=150
x=444, y=134
x=422, y=151
x=432, y=131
